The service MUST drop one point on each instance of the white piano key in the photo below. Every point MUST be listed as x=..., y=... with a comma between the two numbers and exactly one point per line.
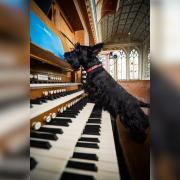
x=44, y=174
x=54, y=152
x=50, y=163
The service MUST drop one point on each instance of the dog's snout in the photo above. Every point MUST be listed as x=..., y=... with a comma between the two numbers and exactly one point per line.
x=66, y=55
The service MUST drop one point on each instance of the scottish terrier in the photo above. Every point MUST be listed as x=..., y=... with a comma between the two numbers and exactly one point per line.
x=105, y=91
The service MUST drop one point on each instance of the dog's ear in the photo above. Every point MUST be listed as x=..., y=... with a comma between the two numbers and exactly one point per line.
x=97, y=48
x=77, y=47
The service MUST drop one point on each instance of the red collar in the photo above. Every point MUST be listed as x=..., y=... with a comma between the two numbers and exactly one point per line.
x=93, y=67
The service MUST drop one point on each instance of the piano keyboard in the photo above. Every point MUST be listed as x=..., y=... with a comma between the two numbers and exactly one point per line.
x=38, y=109
x=77, y=144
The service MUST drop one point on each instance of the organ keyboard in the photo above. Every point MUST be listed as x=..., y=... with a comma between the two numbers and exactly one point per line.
x=78, y=143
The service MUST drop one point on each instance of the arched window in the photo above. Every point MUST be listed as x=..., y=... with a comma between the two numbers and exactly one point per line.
x=112, y=67
x=121, y=65
x=133, y=64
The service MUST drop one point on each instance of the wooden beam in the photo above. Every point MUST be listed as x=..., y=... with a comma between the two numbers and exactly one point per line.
x=65, y=19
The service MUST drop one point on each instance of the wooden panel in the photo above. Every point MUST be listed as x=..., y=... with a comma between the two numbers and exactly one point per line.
x=79, y=36
x=62, y=25
x=38, y=67
x=139, y=88
x=87, y=21
x=48, y=57
x=137, y=157
x=78, y=76
x=71, y=13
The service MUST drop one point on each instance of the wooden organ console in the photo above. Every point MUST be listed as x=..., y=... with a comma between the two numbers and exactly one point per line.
x=69, y=136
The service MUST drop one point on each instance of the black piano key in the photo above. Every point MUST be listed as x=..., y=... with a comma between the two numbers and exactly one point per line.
x=36, y=101
x=50, y=98
x=95, y=116
x=43, y=100
x=87, y=145
x=97, y=121
x=87, y=156
x=40, y=144
x=70, y=176
x=72, y=111
x=69, y=112
x=89, y=139
x=67, y=115
x=91, y=130
x=62, y=119
x=47, y=136
x=51, y=130
x=58, y=123
x=82, y=165
x=97, y=126
x=33, y=163
x=91, y=133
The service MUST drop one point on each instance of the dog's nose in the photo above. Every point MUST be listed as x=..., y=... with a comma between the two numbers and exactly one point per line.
x=66, y=54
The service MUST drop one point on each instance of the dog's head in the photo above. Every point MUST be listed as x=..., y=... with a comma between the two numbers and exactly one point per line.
x=83, y=56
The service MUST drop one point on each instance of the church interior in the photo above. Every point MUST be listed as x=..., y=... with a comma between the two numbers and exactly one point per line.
x=124, y=28
x=67, y=136
x=50, y=128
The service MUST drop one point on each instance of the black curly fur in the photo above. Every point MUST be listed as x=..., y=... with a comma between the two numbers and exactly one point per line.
x=105, y=91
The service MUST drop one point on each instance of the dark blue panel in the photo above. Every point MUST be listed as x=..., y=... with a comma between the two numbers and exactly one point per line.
x=42, y=36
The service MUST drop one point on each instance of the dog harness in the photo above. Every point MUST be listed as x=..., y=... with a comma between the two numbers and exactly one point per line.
x=93, y=67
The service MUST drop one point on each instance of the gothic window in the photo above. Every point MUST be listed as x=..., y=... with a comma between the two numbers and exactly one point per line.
x=121, y=65
x=134, y=64
x=112, y=67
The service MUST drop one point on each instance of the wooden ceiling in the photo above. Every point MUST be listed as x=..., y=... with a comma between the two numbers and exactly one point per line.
x=131, y=23
x=70, y=11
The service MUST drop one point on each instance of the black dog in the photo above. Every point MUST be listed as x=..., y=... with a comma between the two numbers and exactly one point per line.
x=104, y=90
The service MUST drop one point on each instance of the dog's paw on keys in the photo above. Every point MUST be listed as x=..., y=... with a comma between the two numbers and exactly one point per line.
x=104, y=90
